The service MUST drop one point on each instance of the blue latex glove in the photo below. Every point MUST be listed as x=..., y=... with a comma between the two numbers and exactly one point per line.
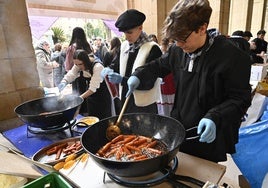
x=62, y=85
x=133, y=82
x=115, y=78
x=106, y=71
x=209, y=134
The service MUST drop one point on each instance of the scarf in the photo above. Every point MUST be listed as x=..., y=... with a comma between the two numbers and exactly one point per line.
x=143, y=38
x=212, y=33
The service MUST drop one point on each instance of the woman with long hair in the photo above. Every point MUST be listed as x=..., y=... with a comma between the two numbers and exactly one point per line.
x=88, y=83
x=78, y=41
x=114, y=52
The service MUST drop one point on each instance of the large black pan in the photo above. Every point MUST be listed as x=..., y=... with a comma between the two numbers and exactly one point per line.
x=56, y=111
x=168, y=130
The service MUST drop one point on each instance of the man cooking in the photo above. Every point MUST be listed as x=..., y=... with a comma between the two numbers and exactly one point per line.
x=211, y=78
x=137, y=50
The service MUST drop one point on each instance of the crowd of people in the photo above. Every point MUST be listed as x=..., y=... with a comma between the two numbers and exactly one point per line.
x=256, y=48
x=191, y=75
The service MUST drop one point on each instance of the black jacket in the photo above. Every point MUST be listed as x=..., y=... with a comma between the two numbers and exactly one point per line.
x=217, y=88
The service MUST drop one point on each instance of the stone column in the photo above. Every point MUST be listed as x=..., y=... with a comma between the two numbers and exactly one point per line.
x=258, y=17
x=220, y=15
x=19, y=79
x=238, y=15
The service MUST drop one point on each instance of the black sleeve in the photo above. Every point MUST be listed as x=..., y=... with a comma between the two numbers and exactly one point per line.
x=107, y=59
x=154, y=53
x=148, y=73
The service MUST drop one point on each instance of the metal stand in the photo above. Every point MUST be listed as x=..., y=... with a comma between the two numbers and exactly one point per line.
x=159, y=177
x=36, y=130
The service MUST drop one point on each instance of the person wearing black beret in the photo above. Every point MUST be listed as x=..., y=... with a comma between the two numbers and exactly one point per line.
x=129, y=20
x=135, y=51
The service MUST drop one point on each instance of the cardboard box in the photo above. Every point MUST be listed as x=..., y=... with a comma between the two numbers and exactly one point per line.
x=258, y=72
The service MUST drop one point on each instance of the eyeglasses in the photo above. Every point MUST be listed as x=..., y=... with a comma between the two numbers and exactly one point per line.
x=184, y=40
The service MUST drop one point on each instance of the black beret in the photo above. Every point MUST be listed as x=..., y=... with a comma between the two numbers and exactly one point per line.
x=129, y=20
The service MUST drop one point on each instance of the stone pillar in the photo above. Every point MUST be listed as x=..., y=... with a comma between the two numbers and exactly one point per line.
x=258, y=17
x=238, y=15
x=220, y=15
x=19, y=79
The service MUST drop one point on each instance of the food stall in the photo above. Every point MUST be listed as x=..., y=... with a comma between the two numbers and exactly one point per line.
x=89, y=173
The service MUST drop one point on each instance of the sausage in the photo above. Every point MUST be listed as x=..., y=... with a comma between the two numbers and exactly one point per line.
x=130, y=147
x=58, y=154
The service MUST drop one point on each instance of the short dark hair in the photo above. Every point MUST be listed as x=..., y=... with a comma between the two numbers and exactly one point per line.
x=261, y=32
x=247, y=34
x=238, y=33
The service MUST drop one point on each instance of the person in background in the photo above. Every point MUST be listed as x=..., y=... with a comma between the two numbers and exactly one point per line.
x=261, y=46
x=101, y=48
x=238, y=40
x=59, y=56
x=153, y=38
x=167, y=85
x=136, y=51
x=78, y=41
x=113, y=55
x=91, y=87
x=164, y=45
x=111, y=59
x=247, y=35
x=44, y=65
x=210, y=91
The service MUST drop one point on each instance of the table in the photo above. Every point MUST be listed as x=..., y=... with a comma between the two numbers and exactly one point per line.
x=92, y=175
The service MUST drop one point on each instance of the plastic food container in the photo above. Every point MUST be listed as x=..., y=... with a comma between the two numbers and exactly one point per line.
x=51, y=180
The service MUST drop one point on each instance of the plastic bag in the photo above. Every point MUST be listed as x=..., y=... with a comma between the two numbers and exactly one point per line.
x=252, y=152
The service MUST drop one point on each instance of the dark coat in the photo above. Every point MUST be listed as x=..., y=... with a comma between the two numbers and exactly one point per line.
x=241, y=43
x=261, y=45
x=218, y=89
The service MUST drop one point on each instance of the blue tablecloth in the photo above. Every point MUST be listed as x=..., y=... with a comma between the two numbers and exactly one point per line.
x=252, y=152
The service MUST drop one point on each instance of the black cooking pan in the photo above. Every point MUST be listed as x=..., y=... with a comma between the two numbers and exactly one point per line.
x=49, y=112
x=166, y=129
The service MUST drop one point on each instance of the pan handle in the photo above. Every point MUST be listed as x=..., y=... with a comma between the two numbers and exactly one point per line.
x=179, y=179
x=79, y=127
x=192, y=137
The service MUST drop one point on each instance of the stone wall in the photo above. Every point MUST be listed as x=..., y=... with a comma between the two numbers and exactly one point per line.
x=19, y=79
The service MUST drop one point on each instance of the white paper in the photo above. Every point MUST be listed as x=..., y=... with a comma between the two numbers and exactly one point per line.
x=256, y=109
